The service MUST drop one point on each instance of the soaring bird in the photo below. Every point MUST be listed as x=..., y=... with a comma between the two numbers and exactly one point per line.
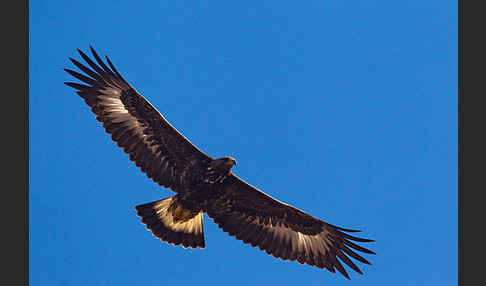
x=204, y=184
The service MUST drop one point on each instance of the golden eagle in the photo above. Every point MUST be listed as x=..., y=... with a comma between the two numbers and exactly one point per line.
x=204, y=184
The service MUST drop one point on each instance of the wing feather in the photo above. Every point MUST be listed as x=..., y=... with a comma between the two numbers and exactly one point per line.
x=282, y=230
x=155, y=146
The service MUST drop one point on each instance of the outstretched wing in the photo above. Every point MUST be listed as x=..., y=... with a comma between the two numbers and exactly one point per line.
x=282, y=230
x=134, y=124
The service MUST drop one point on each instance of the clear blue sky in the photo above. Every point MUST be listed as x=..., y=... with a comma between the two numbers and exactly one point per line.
x=345, y=109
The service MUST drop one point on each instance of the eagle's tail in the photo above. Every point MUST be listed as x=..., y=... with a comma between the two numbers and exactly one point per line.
x=170, y=221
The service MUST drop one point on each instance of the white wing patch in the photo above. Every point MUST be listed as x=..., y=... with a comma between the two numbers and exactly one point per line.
x=117, y=113
x=318, y=244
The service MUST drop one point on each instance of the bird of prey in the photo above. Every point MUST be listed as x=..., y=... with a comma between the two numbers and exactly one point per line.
x=203, y=184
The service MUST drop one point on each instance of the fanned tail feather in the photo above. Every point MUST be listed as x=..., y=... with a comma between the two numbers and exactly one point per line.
x=170, y=221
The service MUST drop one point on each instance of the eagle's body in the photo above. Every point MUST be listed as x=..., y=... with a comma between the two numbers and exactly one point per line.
x=204, y=184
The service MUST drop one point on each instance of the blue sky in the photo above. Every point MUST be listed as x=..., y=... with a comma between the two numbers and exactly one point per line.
x=345, y=109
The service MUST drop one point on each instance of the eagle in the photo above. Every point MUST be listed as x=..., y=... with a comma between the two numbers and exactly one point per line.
x=204, y=184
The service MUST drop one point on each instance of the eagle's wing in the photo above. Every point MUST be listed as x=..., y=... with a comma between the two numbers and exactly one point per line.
x=153, y=144
x=282, y=230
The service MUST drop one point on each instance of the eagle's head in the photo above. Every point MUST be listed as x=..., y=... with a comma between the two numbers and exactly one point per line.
x=228, y=161
x=224, y=163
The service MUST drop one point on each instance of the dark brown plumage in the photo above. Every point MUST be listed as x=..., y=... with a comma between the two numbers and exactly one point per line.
x=204, y=184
